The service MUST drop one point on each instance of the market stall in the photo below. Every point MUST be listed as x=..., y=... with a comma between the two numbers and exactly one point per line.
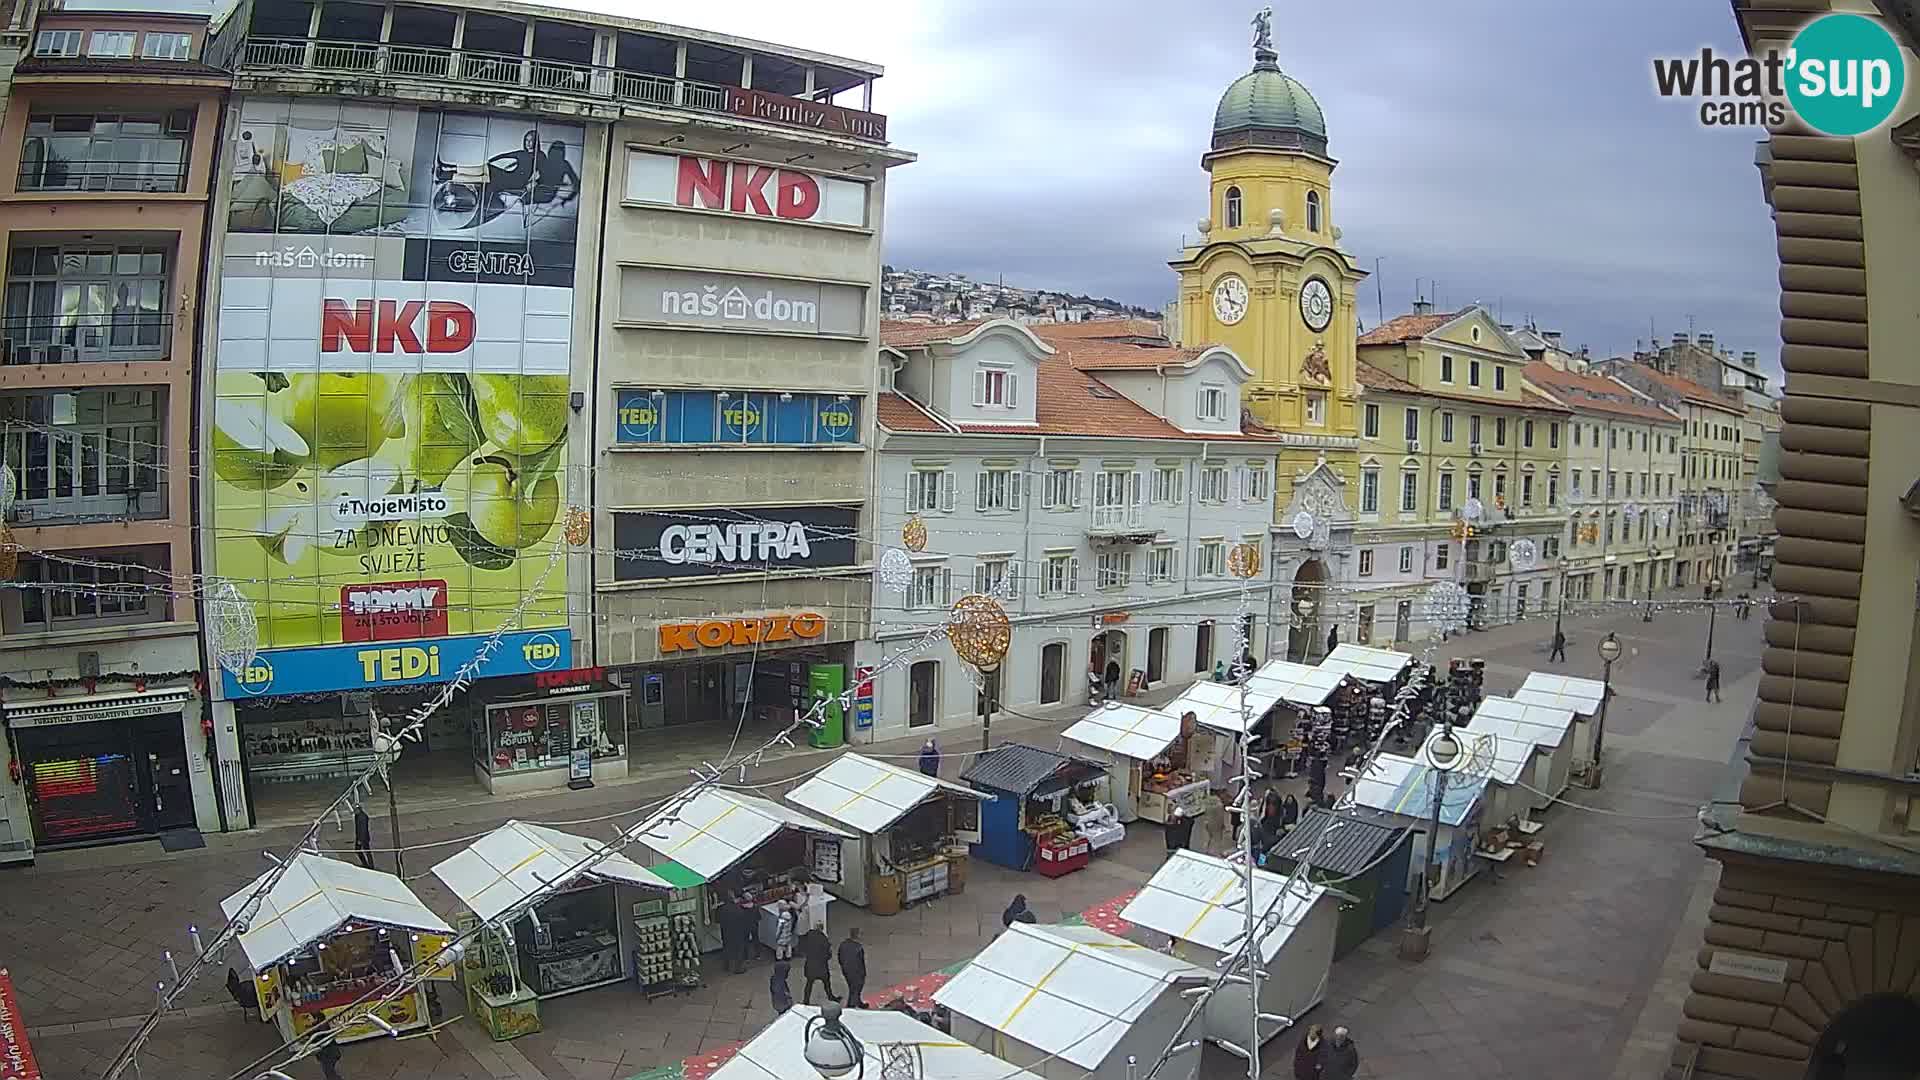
x=1146, y=753
x=1398, y=791
x=779, y=1051
x=754, y=848
x=580, y=937
x=1279, y=696
x=1547, y=727
x=1366, y=663
x=1073, y=1001
x=328, y=933
x=910, y=830
x=1192, y=900
x=1582, y=697
x=1025, y=825
x=1302, y=691
x=1507, y=763
x=1365, y=859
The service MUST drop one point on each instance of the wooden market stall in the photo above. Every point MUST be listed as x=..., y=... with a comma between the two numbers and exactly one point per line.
x=1073, y=1001
x=1549, y=728
x=910, y=831
x=328, y=933
x=779, y=1051
x=1366, y=860
x=1381, y=667
x=1146, y=751
x=1398, y=791
x=1025, y=825
x=1278, y=697
x=1582, y=697
x=1192, y=900
x=581, y=936
x=1507, y=764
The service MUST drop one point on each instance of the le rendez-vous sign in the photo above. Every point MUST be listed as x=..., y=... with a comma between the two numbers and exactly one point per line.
x=794, y=112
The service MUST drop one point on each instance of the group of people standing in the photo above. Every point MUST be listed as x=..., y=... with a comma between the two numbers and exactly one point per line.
x=816, y=957
x=1320, y=1058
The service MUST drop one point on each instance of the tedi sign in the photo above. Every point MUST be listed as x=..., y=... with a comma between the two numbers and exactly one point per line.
x=712, y=541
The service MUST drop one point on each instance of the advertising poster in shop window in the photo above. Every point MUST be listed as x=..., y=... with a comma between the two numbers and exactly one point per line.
x=389, y=443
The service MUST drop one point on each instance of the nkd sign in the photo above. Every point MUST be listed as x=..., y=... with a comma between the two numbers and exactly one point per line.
x=744, y=187
x=699, y=299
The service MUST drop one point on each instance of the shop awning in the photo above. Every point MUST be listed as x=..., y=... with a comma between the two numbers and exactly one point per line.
x=1071, y=991
x=1188, y=898
x=1297, y=684
x=778, y=1052
x=868, y=795
x=1403, y=786
x=1219, y=705
x=718, y=828
x=317, y=896
x=1366, y=663
x=1562, y=692
x=518, y=859
x=1545, y=725
x=1129, y=730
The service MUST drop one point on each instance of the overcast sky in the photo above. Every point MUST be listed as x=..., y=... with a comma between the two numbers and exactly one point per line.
x=1511, y=150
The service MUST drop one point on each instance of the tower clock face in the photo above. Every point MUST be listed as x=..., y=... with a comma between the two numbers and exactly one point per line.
x=1230, y=299
x=1316, y=304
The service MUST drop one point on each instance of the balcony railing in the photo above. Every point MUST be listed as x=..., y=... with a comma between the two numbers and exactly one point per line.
x=80, y=339
x=138, y=176
x=1117, y=518
x=439, y=65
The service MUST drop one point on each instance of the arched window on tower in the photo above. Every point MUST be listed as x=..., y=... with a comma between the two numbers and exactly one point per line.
x=1313, y=211
x=1233, y=208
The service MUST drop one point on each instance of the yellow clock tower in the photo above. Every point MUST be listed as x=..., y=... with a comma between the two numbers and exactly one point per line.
x=1268, y=277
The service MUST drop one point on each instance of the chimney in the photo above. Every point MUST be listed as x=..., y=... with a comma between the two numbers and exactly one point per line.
x=1680, y=337
x=1423, y=307
x=1706, y=342
x=1750, y=358
x=1552, y=336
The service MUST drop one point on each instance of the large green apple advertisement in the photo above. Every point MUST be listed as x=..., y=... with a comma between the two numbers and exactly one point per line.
x=389, y=435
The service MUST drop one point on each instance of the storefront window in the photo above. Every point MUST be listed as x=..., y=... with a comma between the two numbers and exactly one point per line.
x=541, y=735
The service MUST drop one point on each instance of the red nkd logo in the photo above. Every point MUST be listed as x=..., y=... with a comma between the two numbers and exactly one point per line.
x=705, y=184
x=389, y=326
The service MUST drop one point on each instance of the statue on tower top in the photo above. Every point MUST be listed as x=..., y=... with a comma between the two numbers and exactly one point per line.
x=1263, y=30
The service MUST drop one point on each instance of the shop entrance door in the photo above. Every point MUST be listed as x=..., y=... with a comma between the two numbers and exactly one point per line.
x=83, y=783
x=1053, y=669
x=1157, y=655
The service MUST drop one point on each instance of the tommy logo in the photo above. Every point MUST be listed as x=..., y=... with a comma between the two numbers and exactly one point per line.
x=388, y=326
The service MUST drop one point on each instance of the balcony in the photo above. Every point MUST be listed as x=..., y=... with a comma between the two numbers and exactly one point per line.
x=1120, y=524
x=1477, y=571
x=82, y=339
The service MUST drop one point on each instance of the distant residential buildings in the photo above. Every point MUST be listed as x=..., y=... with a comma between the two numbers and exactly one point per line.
x=923, y=296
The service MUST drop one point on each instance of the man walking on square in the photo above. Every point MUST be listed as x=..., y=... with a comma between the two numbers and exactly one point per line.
x=1713, y=680
x=816, y=953
x=1559, y=653
x=853, y=968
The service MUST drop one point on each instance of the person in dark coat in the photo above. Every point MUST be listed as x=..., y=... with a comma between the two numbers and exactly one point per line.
x=1713, y=680
x=329, y=1058
x=1289, y=810
x=816, y=956
x=1269, y=828
x=1341, y=1059
x=1333, y=637
x=779, y=990
x=853, y=968
x=734, y=917
x=362, y=837
x=1018, y=912
x=1559, y=647
x=1309, y=1056
x=1113, y=679
x=930, y=758
x=1179, y=830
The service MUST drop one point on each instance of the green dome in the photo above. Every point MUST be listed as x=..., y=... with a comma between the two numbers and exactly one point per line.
x=1268, y=107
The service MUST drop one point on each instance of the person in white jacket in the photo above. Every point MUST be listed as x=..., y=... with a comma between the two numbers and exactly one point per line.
x=784, y=920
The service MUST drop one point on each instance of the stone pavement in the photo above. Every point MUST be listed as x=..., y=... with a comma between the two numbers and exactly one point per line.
x=1558, y=970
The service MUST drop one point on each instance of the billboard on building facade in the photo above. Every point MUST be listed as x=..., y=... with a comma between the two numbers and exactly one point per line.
x=707, y=300
x=389, y=437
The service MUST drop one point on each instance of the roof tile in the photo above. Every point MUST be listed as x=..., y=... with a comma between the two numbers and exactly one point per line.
x=1406, y=327
x=1592, y=393
x=1099, y=328
x=897, y=412
x=905, y=335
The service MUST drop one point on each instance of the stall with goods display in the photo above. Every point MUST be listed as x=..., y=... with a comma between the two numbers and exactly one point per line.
x=1146, y=751
x=1268, y=709
x=327, y=934
x=1026, y=826
x=910, y=831
x=577, y=938
x=751, y=849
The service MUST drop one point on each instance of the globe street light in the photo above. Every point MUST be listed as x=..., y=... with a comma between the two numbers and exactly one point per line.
x=1609, y=652
x=830, y=1048
x=1443, y=754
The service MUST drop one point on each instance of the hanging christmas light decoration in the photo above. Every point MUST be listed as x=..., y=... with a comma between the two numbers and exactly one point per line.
x=896, y=570
x=1473, y=510
x=1446, y=606
x=8, y=492
x=1243, y=560
x=9, y=551
x=579, y=526
x=914, y=534
x=978, y=628
x=1304, y=525
x=232, y=630
x=1523, y=555
x=1632, y=511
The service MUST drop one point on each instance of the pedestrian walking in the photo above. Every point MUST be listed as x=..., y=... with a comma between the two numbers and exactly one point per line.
x=1713, y=680
x=930, y=758
x=1289, y=810
x=816, y=954
x=1218, y=835
x=1018, y=911
x=1342, y=1058
x=1333, y=637
x=733, y=935
x=784, y=918
x=362, y=837
x=329, y=1058
x=1559, y=653
x=1113, y=678
x=853, y=968
x=779, y=990
x=1179, y=830
x=1309, y=1057
x=1220, y=671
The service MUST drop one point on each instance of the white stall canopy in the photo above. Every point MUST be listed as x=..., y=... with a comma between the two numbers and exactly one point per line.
x=1071, y=991
x=1403, y=786
x=1128, y=730
x=316, y=896
x=778, y=1052
x=1498, y=756
x=1546, y=725
x=1366, y=663
x=717, y=828
x=1196, y=897
x=1219, y=705
x=1297, y=684
x=1562, y=692
x=869, y=796
x=519, y=859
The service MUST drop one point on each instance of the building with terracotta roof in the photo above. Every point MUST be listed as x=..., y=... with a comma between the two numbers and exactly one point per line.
x=1623, y=468
x=1462, y=474
x=1096, y=486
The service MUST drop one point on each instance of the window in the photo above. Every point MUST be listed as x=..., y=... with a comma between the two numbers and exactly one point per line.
x=1593, y=483
x=1411, y=425
x=1446, y=427
x=929, y=490
x=1576, y=434
x=101, y=461
x=996, y=574
x=1316, y=407
x=1233, y=208
x=1446, y=490
x=67, y=304
x=1369, y=491
x=997, y=489
x=1526, y=433
x=1473, y=373
x=1161, y=562
x=1526, y=489
x=57, y=43
x=1169, y=485
x=1210, y=559
x=1553, y=436
x=1446, y=368
x=1406, y=559
x=1409, y=491
x=1313, y=211
x=932, y=587
x=1473, y=484
x=1213, y=484
x=167, y=47
x=1613, y=439
x=94, y=588
x=1062, y=576
x=1473, y=430
x=1061, y=489
x=1627, y=479
x=1114, y=570
x=995, y=388
x=106, y=151
x=1499, y=431
x=1643, y=440
x=923, y=693
x=1550, y=547
x=1612, y=480
x=1203, y=647
x=1442, y=555
x=1499, y=377
x=1500, y=489
x=1553, y=489
x=1213, y=403
x=1253, y=484
x=1366, y=562
x=1363, y=630
x=111, y=44
x=1370, y=421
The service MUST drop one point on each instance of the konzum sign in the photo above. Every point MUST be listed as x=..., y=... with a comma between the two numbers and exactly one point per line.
x=744, y=187
x=727, y=633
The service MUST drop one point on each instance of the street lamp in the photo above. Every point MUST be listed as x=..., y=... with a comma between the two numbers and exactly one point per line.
x=1653, y=563
x=830, y=1048
x=1609, y=652
x=1443, y=754
x=1560, y=611
x=1713, y=611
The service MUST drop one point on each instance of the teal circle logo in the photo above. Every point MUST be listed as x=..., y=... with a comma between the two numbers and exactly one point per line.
x=1845, y=74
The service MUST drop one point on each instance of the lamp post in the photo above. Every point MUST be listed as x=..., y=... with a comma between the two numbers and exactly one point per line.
x=1560, y=611
x=1713, y=611
x=1442, y=754
x=1653, y=563
x=1609, y=652
x=989, y=690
